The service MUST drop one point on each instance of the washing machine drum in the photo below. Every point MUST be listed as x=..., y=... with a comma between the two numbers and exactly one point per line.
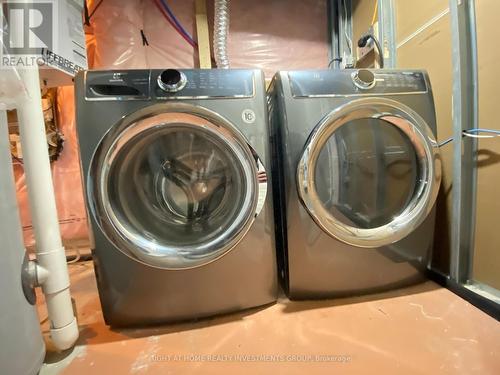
x=177, y=187
x=370, y=172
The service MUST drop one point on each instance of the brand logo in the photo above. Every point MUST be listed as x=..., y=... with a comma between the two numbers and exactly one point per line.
x=248, y=116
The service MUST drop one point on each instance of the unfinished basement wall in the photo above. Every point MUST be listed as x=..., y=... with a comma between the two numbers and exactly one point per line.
x=423, y=34
x=424, y=42
x=423, y=37
x=486, y=266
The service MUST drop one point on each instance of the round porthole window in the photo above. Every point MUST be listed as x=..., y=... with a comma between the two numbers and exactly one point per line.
x=370, y=172
x=175, y=189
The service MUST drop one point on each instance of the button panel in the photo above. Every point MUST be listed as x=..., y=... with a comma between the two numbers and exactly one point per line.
x=340, y=83
x=144, y=85
x=211, y=83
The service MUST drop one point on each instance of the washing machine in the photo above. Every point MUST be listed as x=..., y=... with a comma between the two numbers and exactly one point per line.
x=175, y=168
x=357, y=170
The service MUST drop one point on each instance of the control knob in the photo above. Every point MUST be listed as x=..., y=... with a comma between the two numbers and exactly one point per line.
x=363, y=79
x=172, y=80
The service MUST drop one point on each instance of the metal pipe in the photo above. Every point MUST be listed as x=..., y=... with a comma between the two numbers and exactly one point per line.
x=50, y=252
x=465, y=119
x=333, y=35
x=221, y=30
x=387, y=32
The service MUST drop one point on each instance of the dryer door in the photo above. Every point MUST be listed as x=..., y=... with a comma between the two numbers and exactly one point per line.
x=370, y=172
x=175, y=186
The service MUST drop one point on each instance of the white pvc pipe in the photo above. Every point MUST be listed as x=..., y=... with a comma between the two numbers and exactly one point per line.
x=50, y=252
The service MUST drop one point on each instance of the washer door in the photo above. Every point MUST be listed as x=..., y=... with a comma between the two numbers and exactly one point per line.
x=175, y=186
x=370, y=172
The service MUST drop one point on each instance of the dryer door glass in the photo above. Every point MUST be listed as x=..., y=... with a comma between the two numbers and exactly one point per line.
x=370, y=172
x=177, y=190
x=366, y=173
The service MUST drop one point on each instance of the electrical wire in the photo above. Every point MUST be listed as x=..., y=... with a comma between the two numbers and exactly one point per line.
x=375, y=13
x=19, y=160
x=349, y=41
x=490, y=133
x=362, y=42
x=95, y=9
x=478, y=135
x=169, y=15
x=472, y=133
x=176, y=21
x=339, y=59
x=165, y=14
x=160, y=7
x=445, y=142
x=77, y=256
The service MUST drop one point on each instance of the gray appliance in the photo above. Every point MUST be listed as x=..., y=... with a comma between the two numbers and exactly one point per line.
x=174, y=163
x=21, y=342
x=356, y=170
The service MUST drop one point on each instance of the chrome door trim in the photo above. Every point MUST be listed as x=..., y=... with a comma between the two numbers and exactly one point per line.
x=158, y=116
x=426, y=148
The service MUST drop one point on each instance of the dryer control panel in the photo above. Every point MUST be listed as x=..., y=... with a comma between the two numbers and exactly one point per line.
x=164, y=84
x=355, y=82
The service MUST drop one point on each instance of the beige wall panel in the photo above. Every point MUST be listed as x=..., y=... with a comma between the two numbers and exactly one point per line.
x=411, y=15
x=487, y=238
x=431, y=50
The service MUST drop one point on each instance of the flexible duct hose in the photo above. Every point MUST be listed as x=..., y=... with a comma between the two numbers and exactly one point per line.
x=221, y=30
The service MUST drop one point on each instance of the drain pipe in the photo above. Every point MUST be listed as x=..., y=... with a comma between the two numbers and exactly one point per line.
x=50, y=270
x=221, y=31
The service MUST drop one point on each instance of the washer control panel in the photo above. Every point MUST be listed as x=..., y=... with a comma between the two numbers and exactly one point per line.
x=207, y=83
x=318, y=83
x=169, y=84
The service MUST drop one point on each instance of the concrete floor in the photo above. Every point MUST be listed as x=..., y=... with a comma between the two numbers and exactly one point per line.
x=418, y=330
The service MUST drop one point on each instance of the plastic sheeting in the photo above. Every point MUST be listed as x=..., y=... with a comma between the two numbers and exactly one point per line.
x=11, y=88
x=271, y=35
x=66, y=177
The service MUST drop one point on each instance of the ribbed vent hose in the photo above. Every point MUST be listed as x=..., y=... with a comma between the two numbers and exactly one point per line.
x=221, y=30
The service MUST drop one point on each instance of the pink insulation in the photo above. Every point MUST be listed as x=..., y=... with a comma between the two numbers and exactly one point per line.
x=271, y=35
x=66, y=177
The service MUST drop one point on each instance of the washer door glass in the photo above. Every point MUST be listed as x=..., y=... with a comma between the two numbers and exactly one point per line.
x=176, y=190
x=370, y=172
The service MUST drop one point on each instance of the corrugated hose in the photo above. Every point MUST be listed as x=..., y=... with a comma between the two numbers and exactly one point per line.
x=221, y=30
